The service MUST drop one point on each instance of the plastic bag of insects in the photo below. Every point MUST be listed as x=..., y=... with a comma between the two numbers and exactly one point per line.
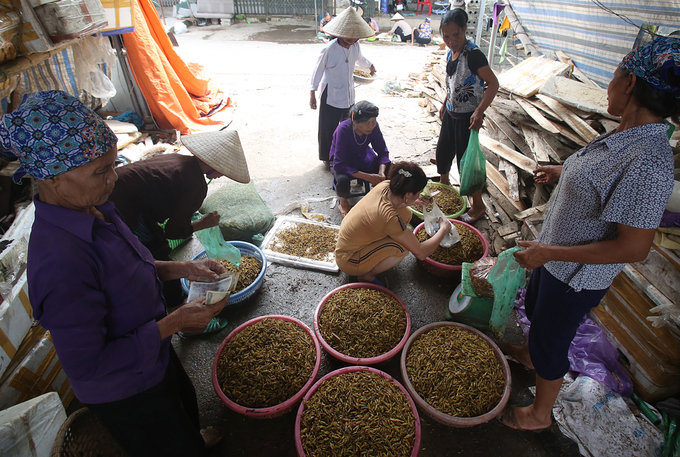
x=215, y=246
x=431, y=219
x=475, y=278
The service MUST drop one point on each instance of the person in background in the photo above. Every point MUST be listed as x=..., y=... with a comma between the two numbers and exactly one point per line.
x=605, y=210
x=97, y=289
x=401, y=28
x=467, y=71
x=324, y=20
x=170, y=188
x=375, y=237
x=358, y=151
x=333, y=75
x=322, y=33
x=373, y=24
x=423, y=34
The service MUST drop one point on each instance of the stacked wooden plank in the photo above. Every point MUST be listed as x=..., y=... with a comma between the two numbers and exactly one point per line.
x=521, y=133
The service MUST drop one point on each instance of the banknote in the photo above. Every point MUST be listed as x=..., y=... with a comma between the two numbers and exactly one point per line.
x=213, y=296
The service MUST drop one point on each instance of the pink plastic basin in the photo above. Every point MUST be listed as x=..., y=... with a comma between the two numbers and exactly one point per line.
x=444, y=418
x=281, y=408
x=298, y=418
x=442, y=269
x=358, y=360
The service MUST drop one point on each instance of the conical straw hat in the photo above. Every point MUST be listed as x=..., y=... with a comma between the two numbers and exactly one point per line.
x=220, y=150
x=348, y=24
x=397, y=17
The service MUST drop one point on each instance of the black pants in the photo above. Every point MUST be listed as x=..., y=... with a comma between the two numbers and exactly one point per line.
x=342, y=181
x=418, y=39
x=329, y=118
x=453, y=140
x=161, y=421
x=400, y=33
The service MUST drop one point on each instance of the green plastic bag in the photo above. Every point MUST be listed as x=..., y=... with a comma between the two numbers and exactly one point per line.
x=215, y=246
x=506, y=277
x=472, y=167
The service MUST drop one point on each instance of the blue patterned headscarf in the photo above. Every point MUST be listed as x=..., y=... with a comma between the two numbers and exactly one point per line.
x=655, y=62
x=52, y=132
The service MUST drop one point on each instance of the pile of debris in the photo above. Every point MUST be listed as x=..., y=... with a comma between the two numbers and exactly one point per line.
x=540, y=116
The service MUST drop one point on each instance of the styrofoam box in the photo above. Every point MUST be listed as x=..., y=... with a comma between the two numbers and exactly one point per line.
x=284, y=222
x=39, y=372
x=16, y=317
x=30, y=428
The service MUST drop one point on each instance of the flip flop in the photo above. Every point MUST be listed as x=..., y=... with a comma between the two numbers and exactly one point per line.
x=465, y=217
x=215, y=325
x=507, y=418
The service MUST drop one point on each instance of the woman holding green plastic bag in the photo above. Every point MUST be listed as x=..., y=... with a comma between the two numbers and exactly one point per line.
x=467, y=72
x=604, y=212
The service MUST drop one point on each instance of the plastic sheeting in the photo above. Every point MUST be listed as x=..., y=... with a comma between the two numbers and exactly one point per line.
x=178, y=95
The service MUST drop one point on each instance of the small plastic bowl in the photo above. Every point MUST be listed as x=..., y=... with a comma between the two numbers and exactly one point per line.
x=441, y=269
x=357, y=360
x=246, y=249
x=450, y=216
x=281, y=408
x=443, y=418
x=315, y=387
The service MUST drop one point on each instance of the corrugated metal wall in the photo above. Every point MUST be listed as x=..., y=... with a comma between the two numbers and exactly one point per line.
x=595, y=34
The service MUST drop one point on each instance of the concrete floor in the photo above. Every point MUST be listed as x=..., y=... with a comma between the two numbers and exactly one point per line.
x=265, y=68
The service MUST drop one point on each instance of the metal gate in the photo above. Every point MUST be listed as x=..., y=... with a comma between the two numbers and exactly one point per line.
x=279, y=7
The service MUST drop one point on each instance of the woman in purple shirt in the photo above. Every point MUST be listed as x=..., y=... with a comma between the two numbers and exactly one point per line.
x=97, y=289
x=358, y=151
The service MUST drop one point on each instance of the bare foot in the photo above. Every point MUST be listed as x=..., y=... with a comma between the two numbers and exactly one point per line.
x=526, y=420
x=523, y=419
x=344, y=206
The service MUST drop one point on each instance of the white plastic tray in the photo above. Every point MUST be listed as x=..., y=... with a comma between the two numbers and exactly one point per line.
x=294, y=261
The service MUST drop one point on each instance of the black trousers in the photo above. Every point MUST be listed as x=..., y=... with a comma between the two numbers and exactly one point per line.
x=329, y=118
x=418, y=39
x=342, y=181
x=162, y=421
x=453, y=140
x=400, y=33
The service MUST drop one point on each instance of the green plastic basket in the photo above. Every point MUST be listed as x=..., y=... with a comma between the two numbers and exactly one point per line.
x=449, y=216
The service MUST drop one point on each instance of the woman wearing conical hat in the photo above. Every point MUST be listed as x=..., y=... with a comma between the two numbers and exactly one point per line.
x=333, y=74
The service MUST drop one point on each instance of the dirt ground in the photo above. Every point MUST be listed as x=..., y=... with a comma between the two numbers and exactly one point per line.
x=265, y=68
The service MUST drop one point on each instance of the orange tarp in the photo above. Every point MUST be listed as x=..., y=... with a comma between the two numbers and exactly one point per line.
x=178, y=94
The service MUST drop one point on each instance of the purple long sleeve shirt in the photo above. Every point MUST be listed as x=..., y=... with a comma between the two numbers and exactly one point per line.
x=351, y=153
x=94, y=286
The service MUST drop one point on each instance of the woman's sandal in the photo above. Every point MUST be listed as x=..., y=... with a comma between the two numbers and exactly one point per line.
x=507, y=418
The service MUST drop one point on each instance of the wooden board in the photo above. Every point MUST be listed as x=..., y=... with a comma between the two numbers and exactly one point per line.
x=576, y=94
x=536, y=115
x=508, y=154
x=576, y=73
x=493, y=175
x=512, y=178
x=526, y=78
x=582, y=128
x=508, y=131
x=539, y=148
